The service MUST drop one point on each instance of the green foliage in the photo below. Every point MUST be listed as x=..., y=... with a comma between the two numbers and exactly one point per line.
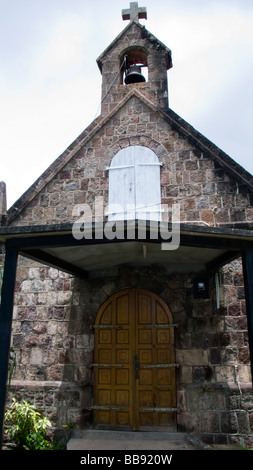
x=11, y=367
x=26, y=428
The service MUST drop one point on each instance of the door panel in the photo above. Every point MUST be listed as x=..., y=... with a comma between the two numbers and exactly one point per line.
x=134, y=370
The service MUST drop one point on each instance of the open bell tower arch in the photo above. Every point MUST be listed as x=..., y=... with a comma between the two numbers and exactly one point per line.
x=134, y=46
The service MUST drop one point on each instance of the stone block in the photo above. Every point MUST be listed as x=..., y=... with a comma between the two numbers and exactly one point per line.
x=229, y=422
x=210, y=422
x=31, y=341
x=82, y=341
x=198, y=374
x=36, y=356
x=50, y=357
x=229, y=356
x=215, y=356
x=192, y=400
x=243, y=422
x=251, y=420
x=207, y=216
x=190, y=422
x=192, y=357
x=39, y=327
x=244, y=355
x=82, y=374
x=26, y=286
x=55, y=372
x=63, y=298
x=18, y=340
x=225, y=374
x=247, y=400
x=235, y=324
x=234, y=309
x=219, y=400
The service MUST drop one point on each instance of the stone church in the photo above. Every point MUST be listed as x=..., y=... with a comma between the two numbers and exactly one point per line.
x=127, y=291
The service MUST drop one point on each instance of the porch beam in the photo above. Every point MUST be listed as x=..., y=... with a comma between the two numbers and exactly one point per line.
x=221, y=260
x=6, y=309
x=42, y=257
x=248, y=284
x=67, y=240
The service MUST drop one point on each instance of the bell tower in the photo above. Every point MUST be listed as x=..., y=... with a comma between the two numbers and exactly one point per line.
x=135, y=59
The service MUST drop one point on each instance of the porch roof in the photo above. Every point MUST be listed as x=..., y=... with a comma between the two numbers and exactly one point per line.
x=199, y=247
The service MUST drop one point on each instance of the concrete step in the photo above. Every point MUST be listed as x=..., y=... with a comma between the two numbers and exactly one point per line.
x=125, y=440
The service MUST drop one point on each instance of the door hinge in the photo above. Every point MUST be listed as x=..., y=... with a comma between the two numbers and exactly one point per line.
x=119, y=408
x=107, y=365
x=160, y=410
x=121, y=167
x=162, y=325
x=160, y=366
x=106, y=326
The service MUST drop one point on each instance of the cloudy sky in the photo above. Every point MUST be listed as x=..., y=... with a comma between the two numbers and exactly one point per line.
x=50, y=84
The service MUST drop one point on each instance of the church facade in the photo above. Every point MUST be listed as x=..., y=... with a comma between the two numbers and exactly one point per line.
x=125, y=315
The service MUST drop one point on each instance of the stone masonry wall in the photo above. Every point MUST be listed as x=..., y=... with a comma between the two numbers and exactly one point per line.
x=54, y=343
x=204, y=191
x=215, y=391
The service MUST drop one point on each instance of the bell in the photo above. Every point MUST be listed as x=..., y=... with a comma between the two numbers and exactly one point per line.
x=133, y=75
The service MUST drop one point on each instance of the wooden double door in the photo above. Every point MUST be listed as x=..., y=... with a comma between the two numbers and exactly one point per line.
x=134, y=363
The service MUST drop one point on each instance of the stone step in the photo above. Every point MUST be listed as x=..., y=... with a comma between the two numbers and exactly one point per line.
x=120, y=440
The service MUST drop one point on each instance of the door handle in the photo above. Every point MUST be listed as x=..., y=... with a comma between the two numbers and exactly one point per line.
x=137, y=366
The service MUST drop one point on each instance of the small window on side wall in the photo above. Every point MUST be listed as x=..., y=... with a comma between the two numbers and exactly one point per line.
x=134, y=185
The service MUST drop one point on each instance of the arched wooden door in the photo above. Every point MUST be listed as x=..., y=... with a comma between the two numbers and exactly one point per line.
x=134, y=363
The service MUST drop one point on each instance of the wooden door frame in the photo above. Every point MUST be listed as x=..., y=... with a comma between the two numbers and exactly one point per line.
x=132, y=345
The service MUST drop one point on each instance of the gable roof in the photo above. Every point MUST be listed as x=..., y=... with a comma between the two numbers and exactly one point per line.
x=211, y=150
x=145, y=34
x=177, y=123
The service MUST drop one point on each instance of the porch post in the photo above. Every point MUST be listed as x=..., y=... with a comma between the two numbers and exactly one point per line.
x=6, y=309
x=248, y=284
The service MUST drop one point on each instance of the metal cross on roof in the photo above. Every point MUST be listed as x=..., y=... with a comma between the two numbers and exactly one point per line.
x=134, y=12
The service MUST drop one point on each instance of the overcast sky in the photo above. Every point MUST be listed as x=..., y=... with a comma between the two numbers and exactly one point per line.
x=50, y=84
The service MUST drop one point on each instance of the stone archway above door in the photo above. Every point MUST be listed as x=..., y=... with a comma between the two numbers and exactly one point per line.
x=134, y=363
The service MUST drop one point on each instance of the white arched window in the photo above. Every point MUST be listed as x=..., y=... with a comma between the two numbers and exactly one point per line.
x=134, y=185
